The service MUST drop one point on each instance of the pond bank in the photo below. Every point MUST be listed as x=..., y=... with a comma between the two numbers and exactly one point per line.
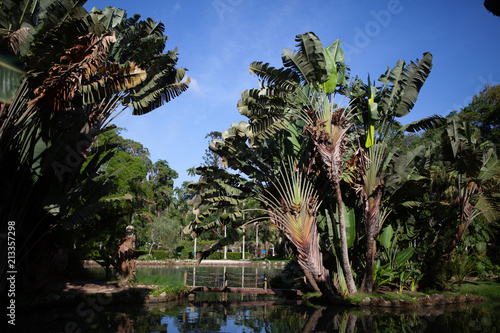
x=76, y=293
x=422, y=302
x=169, y=263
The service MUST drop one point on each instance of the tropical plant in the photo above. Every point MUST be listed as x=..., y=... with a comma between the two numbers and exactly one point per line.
x=298, y=98
x=484, y=112
x=292, y=204
x=78, y=73
x=463, y=184
x=394, y=264
x=377, y=110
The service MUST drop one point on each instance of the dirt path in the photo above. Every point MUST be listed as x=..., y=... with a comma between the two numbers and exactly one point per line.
x=92, y=287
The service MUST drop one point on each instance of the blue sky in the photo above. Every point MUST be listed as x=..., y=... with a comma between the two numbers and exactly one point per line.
x=218, y=39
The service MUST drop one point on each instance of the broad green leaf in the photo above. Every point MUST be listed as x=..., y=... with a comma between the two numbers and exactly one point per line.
x=491, y=166
x=405, y=255
x=11, y=74
x=386, y=237
x=350, y=225
x=110, y=17
x=414, y=78
x=370, y=136
x=339, y=60
x=331, y=84
x=311, y=47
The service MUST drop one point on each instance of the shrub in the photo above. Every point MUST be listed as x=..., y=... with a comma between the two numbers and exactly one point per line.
x=160, y=254
x=237, y=255
x=216, y=256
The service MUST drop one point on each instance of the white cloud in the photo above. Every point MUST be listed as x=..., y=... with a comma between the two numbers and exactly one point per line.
x=194, y=86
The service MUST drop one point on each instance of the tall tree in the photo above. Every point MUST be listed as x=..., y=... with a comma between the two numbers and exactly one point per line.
x=484, y=112
x=378, y=108
x=211, y=159
x=80, y=67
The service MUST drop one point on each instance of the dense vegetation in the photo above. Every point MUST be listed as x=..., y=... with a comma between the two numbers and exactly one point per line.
x=362, y=200
x=323, y=172
x=78, y=68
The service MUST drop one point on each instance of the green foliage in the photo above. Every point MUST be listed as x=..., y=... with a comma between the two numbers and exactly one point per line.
x=11, y=73
x=169, y=285
x=77, y=73
x=483, y=112
x=455, y=270
x=489, y=289
x=237, y=255
x=161, y=254
x=145, y=257
x=216, y=256
x=394, y=267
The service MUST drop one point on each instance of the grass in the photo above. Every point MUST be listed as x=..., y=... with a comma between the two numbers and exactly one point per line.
x=171, y=286
x=359, y=296
x=489, y=289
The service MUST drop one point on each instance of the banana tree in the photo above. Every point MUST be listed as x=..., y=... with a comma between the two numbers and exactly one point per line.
x=298, y=99
x=377, y=110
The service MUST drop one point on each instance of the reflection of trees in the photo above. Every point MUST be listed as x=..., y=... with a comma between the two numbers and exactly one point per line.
x=191, y=318
x=286, y=319
x=269, y=317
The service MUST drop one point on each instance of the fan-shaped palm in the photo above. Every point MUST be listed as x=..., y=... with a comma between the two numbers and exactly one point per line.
x=292, y=204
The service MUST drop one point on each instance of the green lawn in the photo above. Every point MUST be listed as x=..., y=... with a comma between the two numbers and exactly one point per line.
x=489, y=289
x=168, y=284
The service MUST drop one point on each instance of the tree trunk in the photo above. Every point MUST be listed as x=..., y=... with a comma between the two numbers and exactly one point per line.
x=367, y=285
x=312, y=322
x=372, y=220
x=313, y=268
x=344, y=251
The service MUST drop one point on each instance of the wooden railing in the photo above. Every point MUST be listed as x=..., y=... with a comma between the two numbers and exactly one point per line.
x=225, y=281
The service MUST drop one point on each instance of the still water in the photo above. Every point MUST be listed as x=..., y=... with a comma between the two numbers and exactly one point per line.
x=217, y=312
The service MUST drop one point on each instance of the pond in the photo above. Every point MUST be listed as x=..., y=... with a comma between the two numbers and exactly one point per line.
x=218, y=312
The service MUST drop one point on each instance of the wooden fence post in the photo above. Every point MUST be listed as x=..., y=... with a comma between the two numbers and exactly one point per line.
x=265, y=283
x=185, y=277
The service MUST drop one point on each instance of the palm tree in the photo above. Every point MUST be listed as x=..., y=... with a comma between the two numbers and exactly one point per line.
x=293, y=203
x=329, y=130
x=378, y=109
x=191, y=172
x=298, y=98
x=79, y=70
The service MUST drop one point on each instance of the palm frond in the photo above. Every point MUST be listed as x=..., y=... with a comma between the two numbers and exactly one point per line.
x=309, y=45
x=81, y=61
x=279, y=78
x=156, y=98
x=111, y=79
x=430, y=122
x=414, y=76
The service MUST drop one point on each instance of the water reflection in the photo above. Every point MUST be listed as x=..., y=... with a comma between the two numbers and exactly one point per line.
x=234, y=313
